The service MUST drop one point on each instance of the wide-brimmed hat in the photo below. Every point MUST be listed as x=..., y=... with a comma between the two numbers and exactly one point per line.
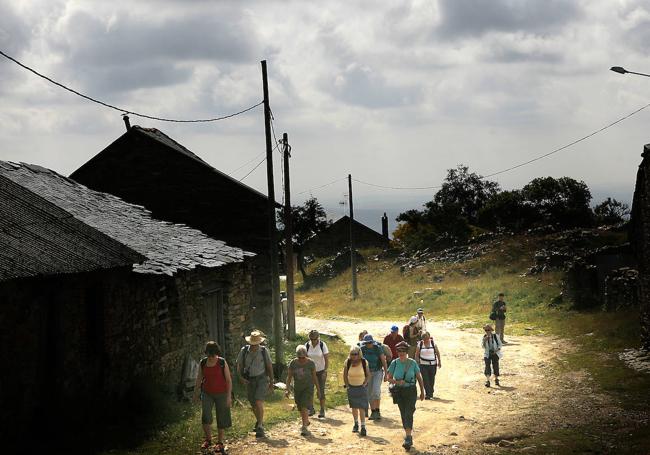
x=488, y=327
x=368, y=339
x=256, y=337
x=402, y=346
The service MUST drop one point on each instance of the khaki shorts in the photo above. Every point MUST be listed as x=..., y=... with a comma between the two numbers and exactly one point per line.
x=257, y=388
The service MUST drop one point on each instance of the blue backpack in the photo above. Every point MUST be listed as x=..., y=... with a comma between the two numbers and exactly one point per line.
x=372, y=356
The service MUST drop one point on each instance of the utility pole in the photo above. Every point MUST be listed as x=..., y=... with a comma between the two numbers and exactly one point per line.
x=273, y=246
x=353, y=259
x=288, y=239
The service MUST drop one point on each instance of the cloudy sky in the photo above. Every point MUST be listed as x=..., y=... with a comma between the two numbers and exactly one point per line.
x=394, y=93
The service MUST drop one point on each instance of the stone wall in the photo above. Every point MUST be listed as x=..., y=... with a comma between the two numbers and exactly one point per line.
x=640, y=235
x=99, y=340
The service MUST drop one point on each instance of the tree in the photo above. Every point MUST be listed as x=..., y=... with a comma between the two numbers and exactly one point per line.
x=307, y=220
x=465, y=193
x=563, y=201
x=611, y=211
x=507, y=210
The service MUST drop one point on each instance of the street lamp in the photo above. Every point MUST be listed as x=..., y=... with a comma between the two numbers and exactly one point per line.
x=621, y=70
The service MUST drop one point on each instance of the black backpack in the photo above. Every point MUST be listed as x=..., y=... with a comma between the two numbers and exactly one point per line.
x=220, y=360
x=308, y=344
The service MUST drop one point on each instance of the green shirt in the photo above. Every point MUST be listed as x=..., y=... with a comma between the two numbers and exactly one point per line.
x=302, y=373
x=397, y=369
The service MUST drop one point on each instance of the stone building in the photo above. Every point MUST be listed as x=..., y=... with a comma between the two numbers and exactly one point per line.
x=146, y=167
x=640, y=236
x=101, y=304
x=336, y=237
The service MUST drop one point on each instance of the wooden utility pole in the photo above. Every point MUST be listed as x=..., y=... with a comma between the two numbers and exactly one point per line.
x=288, y=238
x=273, y=246
x=353, y=259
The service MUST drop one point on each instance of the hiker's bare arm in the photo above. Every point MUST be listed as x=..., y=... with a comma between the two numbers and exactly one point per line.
x=417, y=354
x=384, y=366
x=314, y=379
x=438, y=357
x=327, y=360
x=269, y=372
x=421, y=384
x=365, y=382
x=289, y=379
x=345, y=374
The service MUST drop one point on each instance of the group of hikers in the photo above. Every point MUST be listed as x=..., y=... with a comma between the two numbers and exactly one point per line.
x=402, y=359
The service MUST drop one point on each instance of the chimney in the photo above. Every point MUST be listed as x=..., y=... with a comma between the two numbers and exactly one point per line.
x=384, y=226
x=127, y=123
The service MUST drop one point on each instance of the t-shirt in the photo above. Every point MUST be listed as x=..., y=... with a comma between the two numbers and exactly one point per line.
x=302, y=373
x=391, y=342
x=255, y=362
x=372, y=353
x=397, y=369
x=496, y=307
x=427, y=352
x=318, y=356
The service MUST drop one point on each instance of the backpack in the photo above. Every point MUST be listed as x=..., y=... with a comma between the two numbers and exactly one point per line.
x=433, y=345
x=363, y=364
x=247, y=348
x=388, y=353
x=405, y=331
x=376, y=351
x=308, y=344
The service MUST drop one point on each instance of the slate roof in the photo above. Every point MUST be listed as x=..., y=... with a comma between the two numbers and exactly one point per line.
x=54, y=219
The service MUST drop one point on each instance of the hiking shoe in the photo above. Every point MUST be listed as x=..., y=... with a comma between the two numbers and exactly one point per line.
x=219, y=448
x=321, y=414
x=311, y=412
x=206, y=444
x=304, y=431
x=408, y=442
x=378, y=415
x=496, y=381
x=355, y=428
x=373, y=415
x=363, y=431
x=259, y=433
x=428, y=398
x=487, y=383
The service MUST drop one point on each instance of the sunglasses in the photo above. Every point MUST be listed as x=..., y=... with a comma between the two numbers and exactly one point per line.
x=355, y=354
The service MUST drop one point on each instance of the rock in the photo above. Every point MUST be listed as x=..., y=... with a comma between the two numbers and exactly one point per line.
x=505, y=443
x=453, y=433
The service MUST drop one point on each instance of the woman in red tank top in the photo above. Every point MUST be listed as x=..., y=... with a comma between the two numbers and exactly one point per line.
x=214, y=384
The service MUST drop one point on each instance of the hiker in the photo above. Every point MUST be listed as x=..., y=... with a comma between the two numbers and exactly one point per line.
x=318, y=352
x=392, y=339
x=355, y=377
x=428, y=357
x=374, y=355
x=362, y=334
x=411, y=335
x=498, y=315
x=491, y=354
x=402, y=374
x=302, y=370
x=214, y=386
x=255, y=370
x=422, y=322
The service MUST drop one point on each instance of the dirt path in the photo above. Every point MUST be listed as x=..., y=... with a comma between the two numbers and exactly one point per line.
x=465, y=417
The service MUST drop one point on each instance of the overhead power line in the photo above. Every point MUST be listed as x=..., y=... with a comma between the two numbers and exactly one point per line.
x=251, y=171
x=323, y=186
x=126, y=111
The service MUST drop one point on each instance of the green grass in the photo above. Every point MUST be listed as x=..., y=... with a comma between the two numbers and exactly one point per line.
x=177, y=426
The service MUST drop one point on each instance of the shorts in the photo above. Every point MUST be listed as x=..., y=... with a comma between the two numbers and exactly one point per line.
x=257, y=388
x=304, y=397
x=322, y=379
x=374, y=384
x=223, y=411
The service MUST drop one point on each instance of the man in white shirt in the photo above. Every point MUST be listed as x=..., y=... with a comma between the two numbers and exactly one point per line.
x=421, y=325
x=317, y=351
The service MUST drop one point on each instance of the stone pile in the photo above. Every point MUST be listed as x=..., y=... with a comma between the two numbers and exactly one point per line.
x=621, y=289
x=337, y=264
x=454, y=255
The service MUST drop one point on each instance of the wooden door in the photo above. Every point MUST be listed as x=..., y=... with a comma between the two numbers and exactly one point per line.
x=215, y=315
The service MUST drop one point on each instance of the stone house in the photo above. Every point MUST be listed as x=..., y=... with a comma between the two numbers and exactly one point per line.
x=146, y=167
x=100, y=301
x=336, y=237
x=640, y=237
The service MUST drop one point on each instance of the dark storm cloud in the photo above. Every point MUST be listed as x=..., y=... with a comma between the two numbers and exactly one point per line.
x=130, y=52
x=363, y=87
x=471, y=18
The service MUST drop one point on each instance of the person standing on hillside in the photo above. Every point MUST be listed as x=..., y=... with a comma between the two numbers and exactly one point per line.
x=318, y=352
x=421, y=325
x=499, y=311
x=374, y=355
x=402, y=375
x=392, y=339
x=255, y=370
x=491, y=354
x=428, y=357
